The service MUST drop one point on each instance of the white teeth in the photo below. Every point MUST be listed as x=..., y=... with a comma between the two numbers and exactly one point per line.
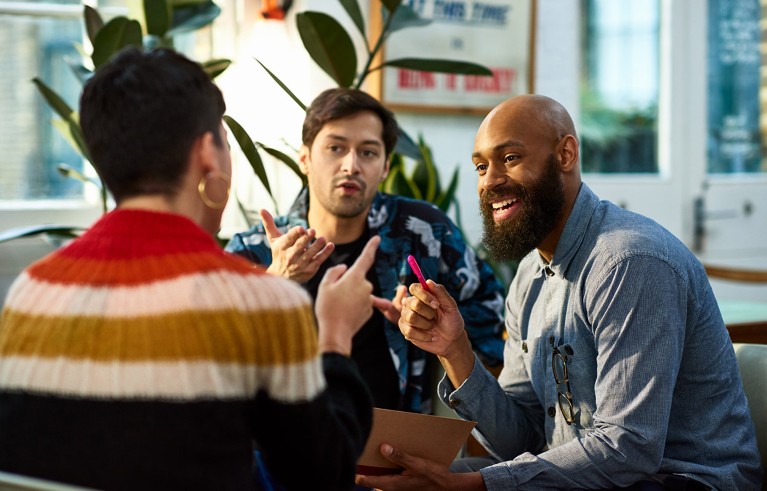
x=501, y=204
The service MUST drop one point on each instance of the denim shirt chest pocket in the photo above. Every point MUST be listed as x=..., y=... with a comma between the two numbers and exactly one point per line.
x=580, y=355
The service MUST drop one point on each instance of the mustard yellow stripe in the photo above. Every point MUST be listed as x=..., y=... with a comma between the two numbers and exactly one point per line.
x=178, y=380
x=268, y=337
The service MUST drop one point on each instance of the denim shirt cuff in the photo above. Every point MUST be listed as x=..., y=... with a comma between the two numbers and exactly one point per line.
x=466, y=399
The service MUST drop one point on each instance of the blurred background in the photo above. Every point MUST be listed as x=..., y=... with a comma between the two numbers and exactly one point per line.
x=668, y=97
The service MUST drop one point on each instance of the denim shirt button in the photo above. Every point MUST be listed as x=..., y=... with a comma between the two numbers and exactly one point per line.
x=552, y=411
x=455, y=402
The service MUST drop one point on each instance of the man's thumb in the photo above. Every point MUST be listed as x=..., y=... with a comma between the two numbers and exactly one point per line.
x=395, y=455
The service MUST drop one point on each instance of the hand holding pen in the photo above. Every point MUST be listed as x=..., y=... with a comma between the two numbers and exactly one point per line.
x=430, y=318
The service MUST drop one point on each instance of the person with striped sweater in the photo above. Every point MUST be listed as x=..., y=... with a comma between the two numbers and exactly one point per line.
x=143, y=356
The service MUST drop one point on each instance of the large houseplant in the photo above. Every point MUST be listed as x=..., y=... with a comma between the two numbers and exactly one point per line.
x=332, y=48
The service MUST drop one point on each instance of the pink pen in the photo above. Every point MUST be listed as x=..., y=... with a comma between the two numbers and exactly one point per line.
x=414, y=266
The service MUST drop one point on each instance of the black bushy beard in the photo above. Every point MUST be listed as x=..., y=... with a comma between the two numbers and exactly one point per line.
x=541, y=203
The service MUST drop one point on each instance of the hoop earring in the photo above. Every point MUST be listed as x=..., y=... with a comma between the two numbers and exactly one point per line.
x=202, y=185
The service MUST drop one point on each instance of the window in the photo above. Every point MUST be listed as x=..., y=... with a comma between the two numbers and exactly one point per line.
x=36, y=42
x=735, y=139
x=619, y=89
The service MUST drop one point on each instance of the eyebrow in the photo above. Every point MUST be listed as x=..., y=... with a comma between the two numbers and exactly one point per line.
x=501, y=146
x=333, y=136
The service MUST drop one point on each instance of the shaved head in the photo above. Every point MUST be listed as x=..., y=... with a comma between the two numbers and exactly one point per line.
x=526, y=156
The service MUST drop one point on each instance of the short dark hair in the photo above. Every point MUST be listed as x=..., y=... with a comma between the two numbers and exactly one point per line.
x=140, y=114
x=342, y=102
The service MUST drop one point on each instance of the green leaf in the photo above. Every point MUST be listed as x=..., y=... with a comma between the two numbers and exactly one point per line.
x=448, y=196
x=425, y=175
x=157, y=14
x=329, y=45
x=77, y=136
x=391, y=5
x=72, y=173
x=81, y=73
x=64, y=128
x=353, y=9
x=284, y=87
x=93, y=22
x=214, y=68
x=192, y=16
x=436, y=65
x=404, y=17
x=115, y=35
x=292, y=165
x=249, y=149
x=53, y=99
x=397, y=183
x=406, y=146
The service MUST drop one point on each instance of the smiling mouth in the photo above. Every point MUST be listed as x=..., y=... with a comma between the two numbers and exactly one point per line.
x=500, y=206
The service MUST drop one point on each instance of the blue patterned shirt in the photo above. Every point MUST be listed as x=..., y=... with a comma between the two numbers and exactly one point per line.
x=408, y=226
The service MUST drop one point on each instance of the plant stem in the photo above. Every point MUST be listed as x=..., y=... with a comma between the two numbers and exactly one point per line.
x=371, y=55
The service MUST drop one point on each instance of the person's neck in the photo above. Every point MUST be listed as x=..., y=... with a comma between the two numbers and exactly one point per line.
x=161, y=203
x=154, y=202
x=338, y=230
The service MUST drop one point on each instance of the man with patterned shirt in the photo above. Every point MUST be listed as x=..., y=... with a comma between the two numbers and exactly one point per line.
x=348, y=137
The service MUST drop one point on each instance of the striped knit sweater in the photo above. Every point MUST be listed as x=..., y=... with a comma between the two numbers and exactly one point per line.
x=141, y=356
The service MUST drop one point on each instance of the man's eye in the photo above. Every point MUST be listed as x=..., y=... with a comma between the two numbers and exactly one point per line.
x=510, y=158
x=369, y=153
x=480, y=168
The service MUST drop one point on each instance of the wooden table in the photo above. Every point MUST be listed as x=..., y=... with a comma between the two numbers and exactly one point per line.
x=746, y=321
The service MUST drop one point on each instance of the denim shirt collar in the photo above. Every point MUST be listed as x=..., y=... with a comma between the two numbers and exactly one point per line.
x=586, y=203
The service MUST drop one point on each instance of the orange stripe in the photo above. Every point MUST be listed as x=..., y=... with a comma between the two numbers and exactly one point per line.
x=269, y=337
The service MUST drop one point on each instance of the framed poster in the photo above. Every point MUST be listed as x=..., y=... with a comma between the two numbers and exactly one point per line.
x=498, y=34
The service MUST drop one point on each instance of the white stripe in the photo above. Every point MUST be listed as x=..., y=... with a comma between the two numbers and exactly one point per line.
x=183, y=380
x=193, y=292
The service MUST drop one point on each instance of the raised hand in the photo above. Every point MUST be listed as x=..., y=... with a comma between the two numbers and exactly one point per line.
x=294, y=255
x=345, y=301
x=391, y=308
x=431, y=321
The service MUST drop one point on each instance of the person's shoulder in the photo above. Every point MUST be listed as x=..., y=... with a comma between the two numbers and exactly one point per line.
x=624, y=234
x=626, y=229
x=259, y=289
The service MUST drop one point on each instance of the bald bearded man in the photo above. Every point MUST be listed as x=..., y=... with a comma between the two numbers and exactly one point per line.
x=618, y=369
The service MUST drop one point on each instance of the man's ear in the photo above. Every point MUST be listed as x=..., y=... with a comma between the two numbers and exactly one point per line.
x=303, y=159
x=568, y=153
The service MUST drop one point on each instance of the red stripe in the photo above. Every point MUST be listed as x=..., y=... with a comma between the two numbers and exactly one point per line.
x=59, y=268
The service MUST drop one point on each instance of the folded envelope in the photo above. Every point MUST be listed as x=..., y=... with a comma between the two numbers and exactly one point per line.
x=433, y=437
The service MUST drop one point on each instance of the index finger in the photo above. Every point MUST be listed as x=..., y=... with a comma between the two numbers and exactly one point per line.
x=269, y=227
x=366, y=258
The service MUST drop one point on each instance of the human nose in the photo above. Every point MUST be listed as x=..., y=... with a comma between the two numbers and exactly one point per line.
x=494, y=176
x=350, y=164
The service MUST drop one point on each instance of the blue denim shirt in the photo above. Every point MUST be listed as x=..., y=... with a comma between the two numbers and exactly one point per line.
x=419, y=228
x=653, y=375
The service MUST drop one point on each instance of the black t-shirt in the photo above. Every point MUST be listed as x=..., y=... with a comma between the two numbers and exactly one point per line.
x=370, y=349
